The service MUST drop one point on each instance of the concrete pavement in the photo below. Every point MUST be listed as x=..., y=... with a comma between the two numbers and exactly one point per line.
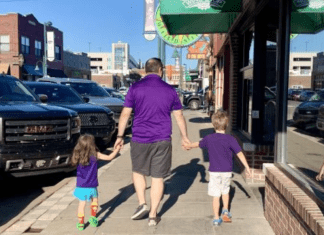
x=185, y=209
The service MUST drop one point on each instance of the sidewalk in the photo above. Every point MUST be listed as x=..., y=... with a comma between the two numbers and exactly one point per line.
x=185, y=209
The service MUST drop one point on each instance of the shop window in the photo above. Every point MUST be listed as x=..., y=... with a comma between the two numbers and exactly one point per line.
x=4, y=43
x=25, y=46
x=58, y=53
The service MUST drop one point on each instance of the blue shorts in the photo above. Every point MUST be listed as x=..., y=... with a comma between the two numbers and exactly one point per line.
x=85, y=194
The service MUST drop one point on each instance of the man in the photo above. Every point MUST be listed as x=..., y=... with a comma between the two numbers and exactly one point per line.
x=153, y=100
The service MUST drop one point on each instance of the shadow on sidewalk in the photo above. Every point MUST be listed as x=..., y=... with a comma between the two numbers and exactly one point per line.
x=109, y=207
x=200, y=120
x=181, y=180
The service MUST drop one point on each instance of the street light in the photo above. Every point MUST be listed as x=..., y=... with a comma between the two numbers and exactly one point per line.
x=49, y=23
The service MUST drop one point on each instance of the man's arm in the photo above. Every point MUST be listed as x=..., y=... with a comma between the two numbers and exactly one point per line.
x=124, y=116
x=182, y=126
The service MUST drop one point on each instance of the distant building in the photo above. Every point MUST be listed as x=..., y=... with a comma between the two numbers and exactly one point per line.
x=122, y=61
x=300, y=69
x=77, y=65
x=22, y=47
x=318, y=71
x=100, y=62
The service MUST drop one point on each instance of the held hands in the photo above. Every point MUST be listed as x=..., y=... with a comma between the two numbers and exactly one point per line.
x=186, y=143
x=119, y=144
x=248, y=172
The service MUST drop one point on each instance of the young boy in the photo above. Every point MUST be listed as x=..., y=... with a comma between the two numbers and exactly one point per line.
x=220, y=147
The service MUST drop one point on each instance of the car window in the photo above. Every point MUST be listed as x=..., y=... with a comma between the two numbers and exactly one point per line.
x=318, y=97
x=58, y=94
x=88, y=89
x=15, y=91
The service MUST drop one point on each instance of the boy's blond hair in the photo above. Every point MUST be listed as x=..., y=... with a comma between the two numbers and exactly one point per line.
x=220, y=120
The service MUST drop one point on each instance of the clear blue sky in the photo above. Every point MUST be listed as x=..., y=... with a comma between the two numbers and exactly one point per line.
x=103, y=22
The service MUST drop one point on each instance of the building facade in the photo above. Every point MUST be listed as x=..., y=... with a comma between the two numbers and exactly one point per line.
x=100, y=62
x=122, y=61
x=22, y=47
x=77, y=65
x=300, y=69
x=318, y=71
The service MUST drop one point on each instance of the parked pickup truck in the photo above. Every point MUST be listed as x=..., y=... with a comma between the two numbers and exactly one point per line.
x=95, y=120
x=96, y=94
x=35, y=138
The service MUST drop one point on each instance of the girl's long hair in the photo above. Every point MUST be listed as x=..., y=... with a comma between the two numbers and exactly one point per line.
x=85, y=148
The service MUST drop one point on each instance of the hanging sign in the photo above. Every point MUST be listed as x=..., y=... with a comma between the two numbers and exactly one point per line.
x=198, y=50
x=181, y=40
x=293, y=36
x=149, y=27
x=50, y=46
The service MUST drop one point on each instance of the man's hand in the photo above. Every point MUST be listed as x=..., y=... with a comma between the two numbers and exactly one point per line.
x=248, y=173
x=185, y=143
x=119, y=142
x=319, y=177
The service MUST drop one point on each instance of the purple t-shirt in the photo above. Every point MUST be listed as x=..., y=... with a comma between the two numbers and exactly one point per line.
x=87, y=176
x=152, y=100
x=220, y=149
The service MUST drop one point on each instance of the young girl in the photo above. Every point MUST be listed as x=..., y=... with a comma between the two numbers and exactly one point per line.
x=85, y=156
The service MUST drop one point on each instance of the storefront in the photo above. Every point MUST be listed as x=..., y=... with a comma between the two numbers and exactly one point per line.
x=253, y=56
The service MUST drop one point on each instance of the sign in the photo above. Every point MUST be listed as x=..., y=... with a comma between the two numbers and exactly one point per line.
x=50, y=46
x=181, y=40
x=149, y=27
x=198, y=50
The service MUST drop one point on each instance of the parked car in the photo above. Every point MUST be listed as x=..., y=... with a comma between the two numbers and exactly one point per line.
x=114, y=93
x=123, y=90
x=95, y=120
x=320, y=119
x=194, y=100
x=35, y=138
x=96, y=94
x=307, y=112
x=295, y=94
x=306, y=95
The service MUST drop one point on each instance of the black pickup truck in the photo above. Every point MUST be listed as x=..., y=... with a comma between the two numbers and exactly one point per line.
x=95, y=120
x=35, y=138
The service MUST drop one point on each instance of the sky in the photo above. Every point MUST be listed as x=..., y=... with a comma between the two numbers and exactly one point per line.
x=100, y=22
x=103, y=22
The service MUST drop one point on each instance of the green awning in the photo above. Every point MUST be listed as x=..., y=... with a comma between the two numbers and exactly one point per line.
x=307, y=18
x=197, y=17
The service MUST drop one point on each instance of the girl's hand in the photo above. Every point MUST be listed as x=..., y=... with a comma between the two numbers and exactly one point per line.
x=319, y=177
x=118, y=148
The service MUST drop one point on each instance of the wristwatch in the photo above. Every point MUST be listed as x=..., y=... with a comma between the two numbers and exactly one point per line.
x=120, y=136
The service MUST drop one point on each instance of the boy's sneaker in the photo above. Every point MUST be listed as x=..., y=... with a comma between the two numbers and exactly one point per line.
x=153, y=221
x=226, y=216
x=80, y=226
x=140, y=212
x=217, y=222
x=93, y=221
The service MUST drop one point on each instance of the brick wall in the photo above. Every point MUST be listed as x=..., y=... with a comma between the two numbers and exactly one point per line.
x=106, y=80
x=305, y=81
x=288, y=209
x=233, y=78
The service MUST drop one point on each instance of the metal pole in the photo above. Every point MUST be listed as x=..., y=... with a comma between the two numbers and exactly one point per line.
x=163, y=58
x=282, y=80
x=159, y=47
x=181, y=75
x=45, y=53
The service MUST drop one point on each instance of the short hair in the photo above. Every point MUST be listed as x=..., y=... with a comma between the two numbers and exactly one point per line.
x=220, y=120
x=153, y=65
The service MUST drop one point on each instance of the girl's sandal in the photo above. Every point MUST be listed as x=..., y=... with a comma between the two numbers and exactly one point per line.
x=217, y=222
x=80, y=227
x=93, y=221
x=226, y=216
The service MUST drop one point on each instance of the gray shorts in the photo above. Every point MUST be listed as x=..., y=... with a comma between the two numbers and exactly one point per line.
x=152, y=159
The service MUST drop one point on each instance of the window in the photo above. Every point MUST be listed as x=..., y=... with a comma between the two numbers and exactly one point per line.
x=38, y=48
x=100, y=67
x=302, y=59
x=295, y=67
x=25, y=46
x=57, y=53
x=96, y=59
x=4, y=43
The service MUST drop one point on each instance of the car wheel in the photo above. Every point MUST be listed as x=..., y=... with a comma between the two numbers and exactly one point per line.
x=194, y=105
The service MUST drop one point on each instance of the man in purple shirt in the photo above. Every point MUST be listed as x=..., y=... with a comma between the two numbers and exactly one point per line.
x=153, y=101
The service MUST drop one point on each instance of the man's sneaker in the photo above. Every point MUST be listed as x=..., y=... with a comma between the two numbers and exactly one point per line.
x=140, y=212
x=153, y=221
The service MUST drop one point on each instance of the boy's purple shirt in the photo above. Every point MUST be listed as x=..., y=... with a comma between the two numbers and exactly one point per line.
x=220, y=150
x=87, y=176
x=152, y=100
